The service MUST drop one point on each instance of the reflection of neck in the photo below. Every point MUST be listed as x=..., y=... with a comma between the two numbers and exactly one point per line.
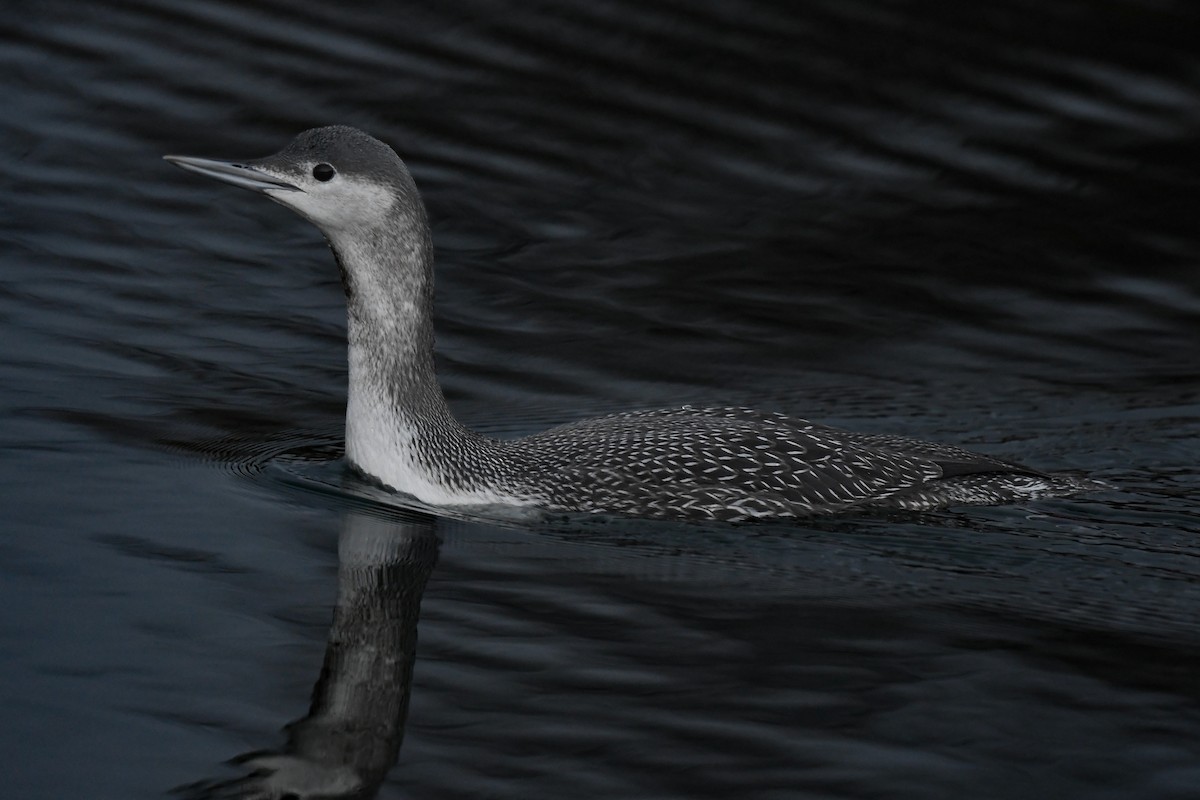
x=352, y=733
x=360, y=702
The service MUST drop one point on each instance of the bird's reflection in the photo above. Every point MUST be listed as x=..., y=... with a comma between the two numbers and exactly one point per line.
x=351, y=736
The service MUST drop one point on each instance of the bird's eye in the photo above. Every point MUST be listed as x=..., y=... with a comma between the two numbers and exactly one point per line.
x=323, y=172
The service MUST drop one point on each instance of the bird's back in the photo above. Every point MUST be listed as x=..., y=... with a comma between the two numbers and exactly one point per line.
x=738, y=463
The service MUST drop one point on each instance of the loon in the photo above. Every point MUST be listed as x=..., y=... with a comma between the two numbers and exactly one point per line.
x=727, y=464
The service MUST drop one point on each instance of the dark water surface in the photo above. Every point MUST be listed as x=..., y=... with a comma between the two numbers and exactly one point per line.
x=971, y=222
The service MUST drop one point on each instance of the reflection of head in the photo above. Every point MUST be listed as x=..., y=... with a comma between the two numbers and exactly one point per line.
x=352, y=734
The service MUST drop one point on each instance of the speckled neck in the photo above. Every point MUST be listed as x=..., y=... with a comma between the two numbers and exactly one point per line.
x=387, y=276
x=399, y=428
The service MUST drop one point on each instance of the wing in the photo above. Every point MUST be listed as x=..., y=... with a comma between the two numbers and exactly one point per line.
x=731, y=463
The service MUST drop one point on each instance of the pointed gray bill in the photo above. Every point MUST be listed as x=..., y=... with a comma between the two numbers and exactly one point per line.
x=232, y=172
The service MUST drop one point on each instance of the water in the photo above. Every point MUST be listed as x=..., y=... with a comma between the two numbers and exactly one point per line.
x=968, y=224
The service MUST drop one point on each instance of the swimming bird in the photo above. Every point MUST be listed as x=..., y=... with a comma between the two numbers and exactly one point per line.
x=675, y=463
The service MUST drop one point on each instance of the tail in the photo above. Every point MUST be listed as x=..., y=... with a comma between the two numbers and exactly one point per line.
x=991, y=488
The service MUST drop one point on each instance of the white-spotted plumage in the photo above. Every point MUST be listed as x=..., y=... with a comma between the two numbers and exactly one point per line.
x=693, y=463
